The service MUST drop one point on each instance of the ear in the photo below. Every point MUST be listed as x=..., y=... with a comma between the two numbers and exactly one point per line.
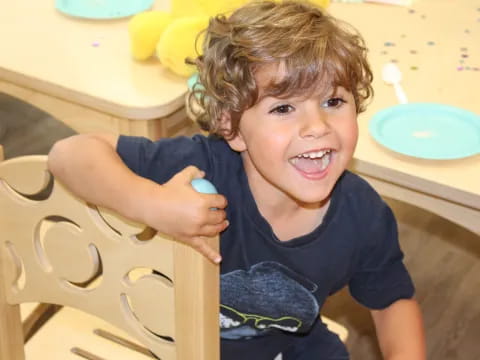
x=236, y=142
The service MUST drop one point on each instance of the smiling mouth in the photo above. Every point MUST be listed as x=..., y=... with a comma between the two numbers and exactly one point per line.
x=312, y=162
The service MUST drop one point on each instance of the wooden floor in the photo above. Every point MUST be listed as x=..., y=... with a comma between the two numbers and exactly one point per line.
x=26, y=130
x=444, y=259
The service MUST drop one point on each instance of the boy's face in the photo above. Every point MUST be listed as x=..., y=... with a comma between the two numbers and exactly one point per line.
x=297, y=146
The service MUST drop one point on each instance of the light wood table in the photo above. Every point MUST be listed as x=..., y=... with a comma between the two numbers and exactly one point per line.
x=429, y=44
x=81, y=72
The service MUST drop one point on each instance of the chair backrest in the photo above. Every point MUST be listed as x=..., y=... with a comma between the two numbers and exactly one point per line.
x=55, y=248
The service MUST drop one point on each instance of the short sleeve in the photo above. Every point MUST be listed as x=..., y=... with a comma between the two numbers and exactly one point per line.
x=160, y=160
x=381, y=277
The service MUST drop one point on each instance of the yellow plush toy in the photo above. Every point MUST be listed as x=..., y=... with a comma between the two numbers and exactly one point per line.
x=171, y=36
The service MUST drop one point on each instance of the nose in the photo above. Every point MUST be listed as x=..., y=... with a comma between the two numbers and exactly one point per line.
x=314, y=124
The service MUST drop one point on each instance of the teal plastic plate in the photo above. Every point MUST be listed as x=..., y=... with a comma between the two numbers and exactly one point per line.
x=192, y=80
x=428, y=131
x=102, y=9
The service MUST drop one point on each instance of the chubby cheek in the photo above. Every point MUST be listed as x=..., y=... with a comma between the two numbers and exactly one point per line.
x=352, y=138
x=276, y=142
x=269, y=142
x=349, y=136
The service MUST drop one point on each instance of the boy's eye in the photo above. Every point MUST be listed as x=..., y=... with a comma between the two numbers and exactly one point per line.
x=282, y=109
x=333, y=102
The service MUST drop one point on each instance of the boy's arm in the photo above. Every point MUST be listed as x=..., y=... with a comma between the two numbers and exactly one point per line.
x=400, y=331
x=90, y=167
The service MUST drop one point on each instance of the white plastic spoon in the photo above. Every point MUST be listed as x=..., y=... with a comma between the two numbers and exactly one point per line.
x=392, y=75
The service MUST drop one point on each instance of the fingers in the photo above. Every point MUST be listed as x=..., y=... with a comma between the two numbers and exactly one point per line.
x=213, y=230
x=214, y=217
x=200, y=244
x=206, y=214
x=205, y=229
x=217, y=201
x=187, y=175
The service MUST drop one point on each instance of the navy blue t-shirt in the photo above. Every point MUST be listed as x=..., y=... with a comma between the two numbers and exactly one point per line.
x=271, y=290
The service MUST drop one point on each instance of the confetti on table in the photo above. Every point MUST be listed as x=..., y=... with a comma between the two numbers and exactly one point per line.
x=413, y=52
x=389, y=43
x=464, y=56
x=95, y=44
x=413, y=67
x=459, y=68
x=431, y=43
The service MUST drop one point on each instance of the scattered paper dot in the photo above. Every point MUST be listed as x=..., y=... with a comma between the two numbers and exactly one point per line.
x=476, y=69
x=411, y=11
x=431, y=43
x=384, y=52
x=394, y=61
x=403, y=36
x=413, y=51
x=464, y=49
x=389, y=43
x=462, y=61
x=423, y=16
x=413, y=67
x=459, y=68
x=467, y=31
x=464, y=56
x=95, y=44
x=467, y=67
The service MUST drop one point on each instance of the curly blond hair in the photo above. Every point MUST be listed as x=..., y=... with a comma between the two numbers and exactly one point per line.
x=314, y=48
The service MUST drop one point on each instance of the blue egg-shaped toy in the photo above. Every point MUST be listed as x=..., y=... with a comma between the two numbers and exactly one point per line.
x=204, y=186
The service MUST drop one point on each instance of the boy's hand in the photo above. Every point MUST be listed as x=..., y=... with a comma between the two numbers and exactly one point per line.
x=178, y=210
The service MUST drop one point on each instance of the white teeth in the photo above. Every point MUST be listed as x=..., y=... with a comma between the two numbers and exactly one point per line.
x=314, y=154
x=318, y=157
x=322, y=162
x=326, y=161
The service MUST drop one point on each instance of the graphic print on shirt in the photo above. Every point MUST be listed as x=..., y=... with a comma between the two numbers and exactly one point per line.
x=266, y=297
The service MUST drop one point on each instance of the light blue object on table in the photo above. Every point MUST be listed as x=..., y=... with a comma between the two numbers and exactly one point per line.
x=102, y=9
x=204, y=186
x=192, y=81
x=427, y=130
x=194, y=84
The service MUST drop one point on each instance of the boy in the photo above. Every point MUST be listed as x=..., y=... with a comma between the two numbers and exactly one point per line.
x=282, y=84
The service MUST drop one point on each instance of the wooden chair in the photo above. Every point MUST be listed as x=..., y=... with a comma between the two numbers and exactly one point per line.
x=57, y=249
x=34, y=315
